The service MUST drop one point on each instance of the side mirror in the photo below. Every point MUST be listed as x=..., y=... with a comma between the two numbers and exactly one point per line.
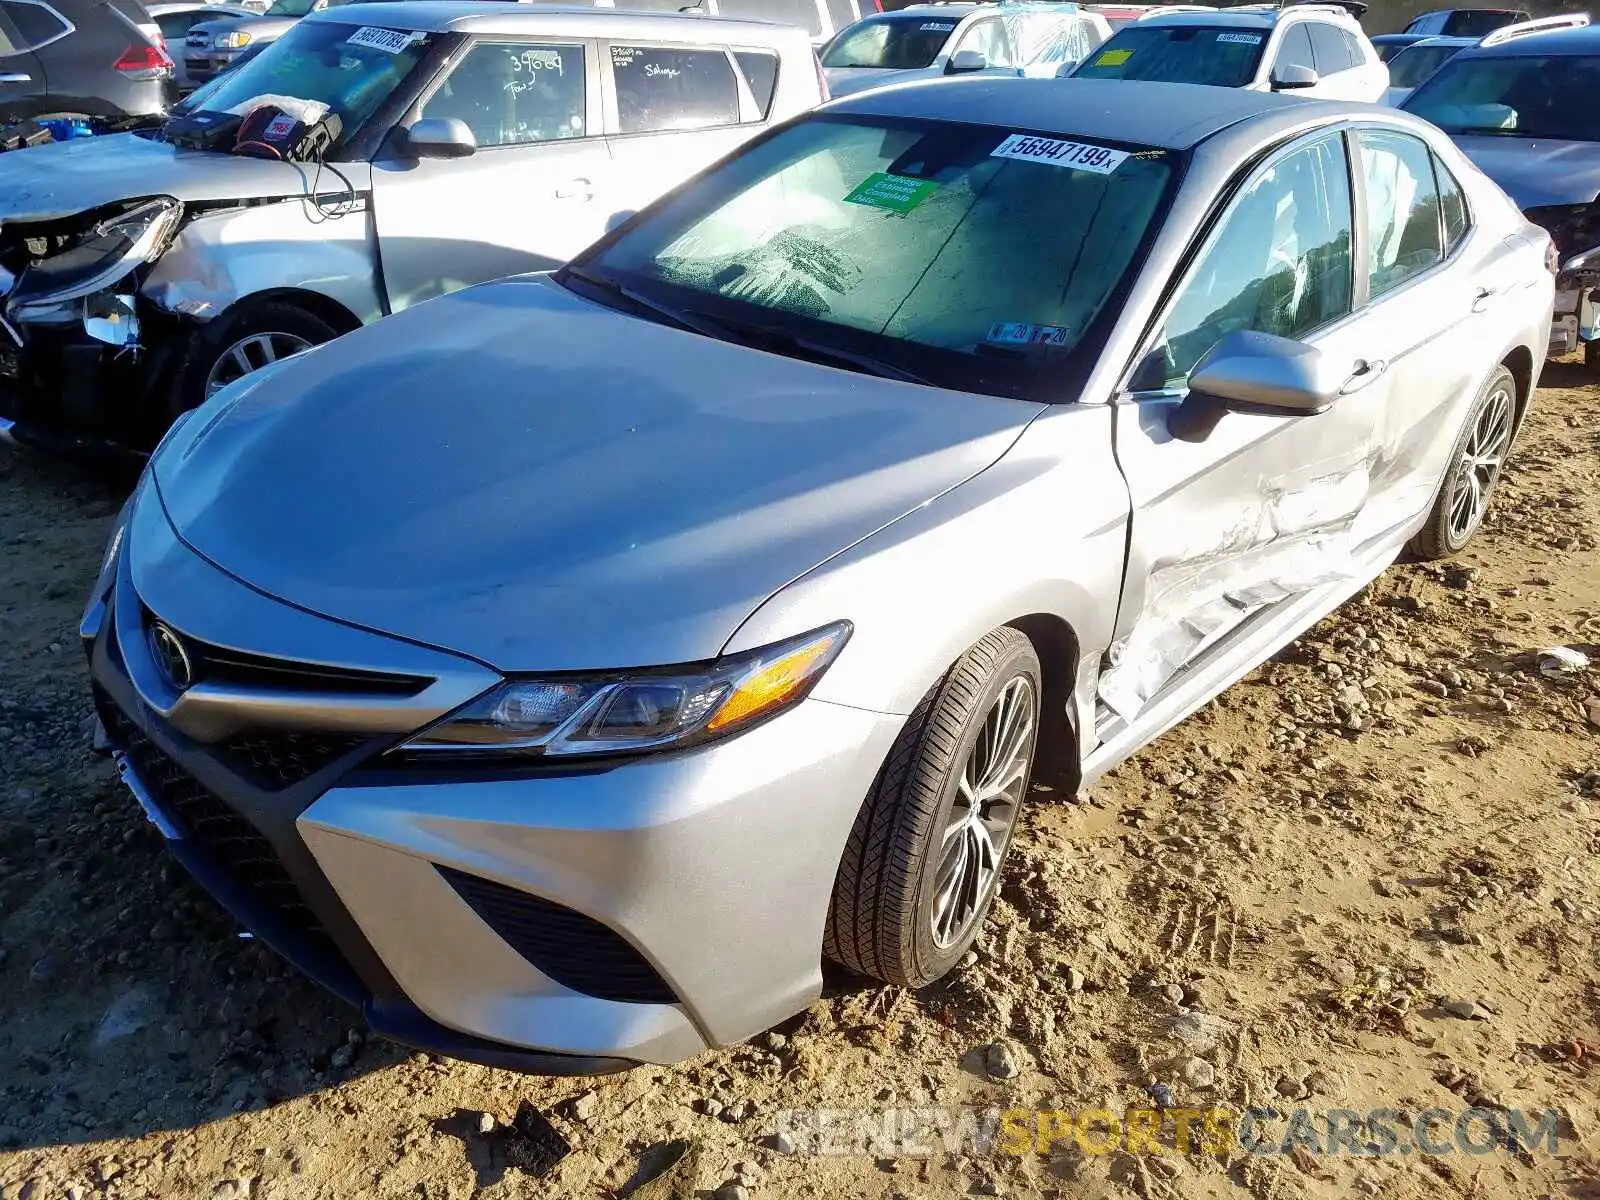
x=1259, y=372
x=1292, y=77
x=963, y=61
x=441, y=137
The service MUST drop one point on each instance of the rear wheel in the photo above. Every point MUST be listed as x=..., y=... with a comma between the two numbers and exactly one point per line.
x=923, y=862
x=1476, y=461
x=240, y=344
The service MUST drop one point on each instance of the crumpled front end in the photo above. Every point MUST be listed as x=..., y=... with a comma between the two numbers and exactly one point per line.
x=1575, y=231
x=74, y=328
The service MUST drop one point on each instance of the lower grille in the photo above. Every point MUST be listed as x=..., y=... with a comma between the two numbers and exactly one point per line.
x=278, y=760
x=233, y=845
x=574, y=950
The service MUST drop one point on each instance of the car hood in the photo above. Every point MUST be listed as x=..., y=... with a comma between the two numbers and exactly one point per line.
x=62, y=179
x=259, y=28
x=843, y=81
x=543, y=483
x=1537, y=171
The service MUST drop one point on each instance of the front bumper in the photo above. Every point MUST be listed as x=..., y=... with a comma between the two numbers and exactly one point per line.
x=1576, y=319
x=201, y=66
x=560, y=923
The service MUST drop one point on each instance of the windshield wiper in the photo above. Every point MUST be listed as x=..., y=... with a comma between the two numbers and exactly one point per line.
x=752, y=333
x=661, y=312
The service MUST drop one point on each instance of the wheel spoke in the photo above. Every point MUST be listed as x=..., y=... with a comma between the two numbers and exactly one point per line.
x=241, y=358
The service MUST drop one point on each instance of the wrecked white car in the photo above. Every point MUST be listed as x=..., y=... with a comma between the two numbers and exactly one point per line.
x=375, y=156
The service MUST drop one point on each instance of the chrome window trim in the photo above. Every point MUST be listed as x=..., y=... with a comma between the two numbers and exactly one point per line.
x=67, y=27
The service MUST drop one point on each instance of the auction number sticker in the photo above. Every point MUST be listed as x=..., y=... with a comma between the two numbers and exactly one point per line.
x=1022, y=333
x=390, y=41
x=1240, y=39
x=937, y=27
x=1077, y=156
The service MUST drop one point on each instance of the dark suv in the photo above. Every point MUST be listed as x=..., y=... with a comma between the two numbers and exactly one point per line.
x=92, y=58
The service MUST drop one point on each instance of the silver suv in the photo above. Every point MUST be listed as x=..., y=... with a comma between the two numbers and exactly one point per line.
x=374, y=156
x=563, y=668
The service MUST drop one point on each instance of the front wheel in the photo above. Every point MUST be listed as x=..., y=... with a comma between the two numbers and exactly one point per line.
x=923, y=862
x=237, y=345
x=1476, y=461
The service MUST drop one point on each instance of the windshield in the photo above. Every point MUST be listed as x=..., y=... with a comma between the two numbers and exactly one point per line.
x=1415, y=63
x=974, y=257
x=290, y=8
x=1523, y=96
x=899, y=43
x=1179, y=54
x=316, y=68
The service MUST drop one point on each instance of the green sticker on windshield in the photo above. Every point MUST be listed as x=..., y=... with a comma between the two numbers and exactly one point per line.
x=893, y=192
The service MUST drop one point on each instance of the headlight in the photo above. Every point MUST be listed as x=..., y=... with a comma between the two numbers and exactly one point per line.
x=238, y=39
x=628, y=712
x=102, y=256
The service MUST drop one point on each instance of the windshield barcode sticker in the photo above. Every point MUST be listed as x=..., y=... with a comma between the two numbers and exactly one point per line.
x=1021, y=333
x=1078, y=156
x=1242, y=39
x=390, y=41
x=937, y=27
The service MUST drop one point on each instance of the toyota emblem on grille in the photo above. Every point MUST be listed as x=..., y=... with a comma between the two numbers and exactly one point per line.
x=170, y=656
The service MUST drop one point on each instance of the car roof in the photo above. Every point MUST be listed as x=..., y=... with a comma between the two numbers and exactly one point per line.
x=1248, y=17
x=1439, y=39
x=1583, y=40
x=1173, y=116
x=576, y=20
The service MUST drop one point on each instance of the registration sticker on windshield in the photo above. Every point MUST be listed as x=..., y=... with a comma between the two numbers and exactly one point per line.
x=1021, y=333
x=1077, y=156
x=1113, y=58
x=896, y=193
x=937, y=27
x=390, y=41
x=1240, y=39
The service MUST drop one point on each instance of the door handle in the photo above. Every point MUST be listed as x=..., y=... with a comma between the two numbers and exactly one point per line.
x=575, y=189
x=16, y=78
x=1367, y=371
x=1481, y=297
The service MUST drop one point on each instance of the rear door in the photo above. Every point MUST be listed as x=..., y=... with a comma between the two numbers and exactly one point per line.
x=671, y=111
x=25, y=26
x=538, y=189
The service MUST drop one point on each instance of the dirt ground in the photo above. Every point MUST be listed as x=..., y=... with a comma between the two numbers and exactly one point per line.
x=1366, y=877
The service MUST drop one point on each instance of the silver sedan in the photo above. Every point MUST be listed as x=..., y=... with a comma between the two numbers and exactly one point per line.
x=564, y=668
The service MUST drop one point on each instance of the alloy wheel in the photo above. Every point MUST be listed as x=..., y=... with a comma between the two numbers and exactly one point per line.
x=984, y=811
x=250, y=354
x=1479, y=465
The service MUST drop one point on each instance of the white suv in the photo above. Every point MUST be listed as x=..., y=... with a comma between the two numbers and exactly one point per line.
x=1313, y=49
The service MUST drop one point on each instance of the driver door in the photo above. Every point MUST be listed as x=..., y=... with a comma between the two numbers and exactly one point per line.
x=537, y=189
x=1248, y=509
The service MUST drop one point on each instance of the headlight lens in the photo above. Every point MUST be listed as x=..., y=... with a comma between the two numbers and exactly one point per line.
x=238, y=39
x=625, y=713
x=103, y=255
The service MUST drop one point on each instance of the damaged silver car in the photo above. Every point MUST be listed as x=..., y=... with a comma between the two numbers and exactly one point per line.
x=562, y=670
x=373, y=157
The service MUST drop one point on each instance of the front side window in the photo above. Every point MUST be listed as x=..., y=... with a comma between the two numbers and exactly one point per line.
x=976, y=258
x=515, y=93
x=318, y=68
x=1402, y=208
x=1328, y=48
x=1178, y=54
x=1279, y=264
x=987, y=38
x=1295, y=50
x=1519, y=95
x=35, y=24
x=898, y=43
x=660, y=89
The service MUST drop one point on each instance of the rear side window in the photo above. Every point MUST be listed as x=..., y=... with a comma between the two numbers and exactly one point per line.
x=660, y=89
x=1403, y=217
x=1329, y=49
x=1452, y=203
x=33, y=25
x=760, y=71
x=806, y=14
x=1353, y=48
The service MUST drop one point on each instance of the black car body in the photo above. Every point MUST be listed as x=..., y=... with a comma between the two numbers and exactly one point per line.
x=92, y=58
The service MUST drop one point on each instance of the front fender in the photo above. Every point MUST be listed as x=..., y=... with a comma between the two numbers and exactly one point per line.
x=220, y=258
x=1044, y=530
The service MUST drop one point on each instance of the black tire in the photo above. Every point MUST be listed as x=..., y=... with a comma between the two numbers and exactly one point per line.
x=1591, y=357
x=215, y=340
x=880, y=922
x=1444, y=536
